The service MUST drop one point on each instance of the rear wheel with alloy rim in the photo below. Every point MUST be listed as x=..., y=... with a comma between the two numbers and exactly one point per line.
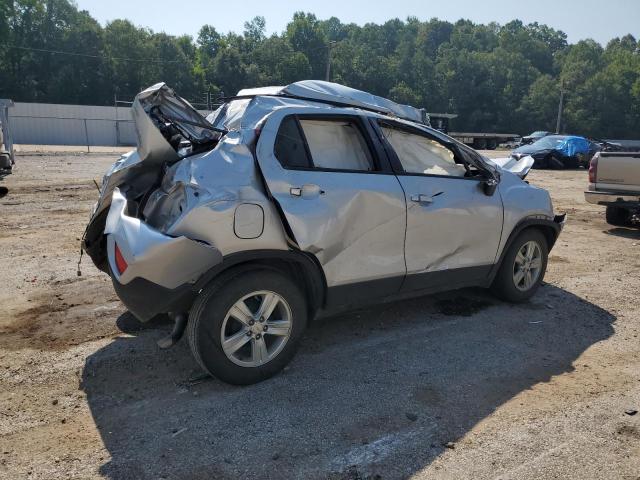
x=246, y=326
x=523, y=267
x=256, y=328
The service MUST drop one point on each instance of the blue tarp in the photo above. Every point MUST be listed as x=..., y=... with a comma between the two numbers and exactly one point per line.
x=572, y=146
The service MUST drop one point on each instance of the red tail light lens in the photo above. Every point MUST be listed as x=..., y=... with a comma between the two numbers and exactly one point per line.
x=121, y=263
x=593, y=169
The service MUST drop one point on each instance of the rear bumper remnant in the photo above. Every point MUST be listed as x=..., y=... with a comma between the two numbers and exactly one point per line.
x=609, y=198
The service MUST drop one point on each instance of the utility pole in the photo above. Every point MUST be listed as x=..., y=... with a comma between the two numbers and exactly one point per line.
x=560, y=107
x=327, y=75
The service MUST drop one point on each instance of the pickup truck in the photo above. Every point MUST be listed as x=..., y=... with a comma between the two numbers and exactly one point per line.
x=614, y=181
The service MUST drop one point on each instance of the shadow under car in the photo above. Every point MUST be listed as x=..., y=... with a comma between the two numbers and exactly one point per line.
x=378, y=391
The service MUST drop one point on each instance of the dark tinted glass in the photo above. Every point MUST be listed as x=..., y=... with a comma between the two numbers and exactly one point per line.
x=289, y=148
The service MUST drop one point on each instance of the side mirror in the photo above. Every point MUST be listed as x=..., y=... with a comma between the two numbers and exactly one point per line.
x=489, y=186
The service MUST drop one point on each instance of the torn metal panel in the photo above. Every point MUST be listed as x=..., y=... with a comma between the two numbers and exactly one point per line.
x=164, y=260
x=166, y=109
x=519, y=167
x=340, y=95
x=199, y=196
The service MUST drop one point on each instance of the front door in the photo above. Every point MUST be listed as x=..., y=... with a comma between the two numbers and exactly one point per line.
x=341, y=201
x=453, y=227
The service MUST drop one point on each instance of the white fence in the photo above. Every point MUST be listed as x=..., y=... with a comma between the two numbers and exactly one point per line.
x=52, y=124
x=86, y=125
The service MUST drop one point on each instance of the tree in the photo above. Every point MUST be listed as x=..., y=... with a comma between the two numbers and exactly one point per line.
x=495, y=77
x=305, y=35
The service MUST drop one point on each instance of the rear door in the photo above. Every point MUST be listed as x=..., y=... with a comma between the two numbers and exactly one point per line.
x=341, y=201
x=453, y=227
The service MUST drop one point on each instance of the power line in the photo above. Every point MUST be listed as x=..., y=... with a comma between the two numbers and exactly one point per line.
x=87, y=55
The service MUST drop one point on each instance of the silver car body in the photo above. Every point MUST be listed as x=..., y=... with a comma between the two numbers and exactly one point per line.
x=404, y=232
x=7, y=159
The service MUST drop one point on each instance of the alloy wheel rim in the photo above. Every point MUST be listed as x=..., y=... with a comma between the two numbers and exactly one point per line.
x=256, y=328
x=527, y=266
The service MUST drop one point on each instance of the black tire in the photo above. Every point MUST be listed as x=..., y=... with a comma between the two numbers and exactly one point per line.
x=504, y=285
x=204, y=331
x=492, y=144
x=618, y=217
x=541, y=163
x=480, y=144
x=555, y=162
x=572, y=162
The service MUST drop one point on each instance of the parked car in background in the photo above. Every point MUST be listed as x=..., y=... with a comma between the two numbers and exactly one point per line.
x=533, y=137
x=614, y=182
x=559, y=151
x=295, y=202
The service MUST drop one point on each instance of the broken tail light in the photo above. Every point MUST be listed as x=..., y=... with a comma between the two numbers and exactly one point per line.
x=121, y=263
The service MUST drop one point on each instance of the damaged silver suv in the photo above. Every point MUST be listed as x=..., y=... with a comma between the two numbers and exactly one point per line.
x=291, y=203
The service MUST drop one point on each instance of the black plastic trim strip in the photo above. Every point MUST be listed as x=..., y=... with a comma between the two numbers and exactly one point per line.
x=311, y=269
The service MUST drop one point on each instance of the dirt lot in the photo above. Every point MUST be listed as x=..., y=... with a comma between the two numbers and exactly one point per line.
x=452, y=386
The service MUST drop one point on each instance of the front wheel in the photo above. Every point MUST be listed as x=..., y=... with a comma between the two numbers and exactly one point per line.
x=246, y=327
x=555, y=162
x=523, y=267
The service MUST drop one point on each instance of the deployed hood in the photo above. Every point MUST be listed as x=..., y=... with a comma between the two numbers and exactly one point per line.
x=519, y=167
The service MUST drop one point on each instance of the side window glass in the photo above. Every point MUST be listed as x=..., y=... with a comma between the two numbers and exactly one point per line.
x=289, y=147
x=419, y=154
x=337, y=144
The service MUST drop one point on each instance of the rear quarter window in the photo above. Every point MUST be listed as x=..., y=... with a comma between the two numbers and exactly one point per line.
x=289, y=147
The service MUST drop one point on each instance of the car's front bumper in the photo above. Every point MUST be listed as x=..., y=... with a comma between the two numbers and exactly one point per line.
x=612, y=199
x=560, y=220
x=160, y=269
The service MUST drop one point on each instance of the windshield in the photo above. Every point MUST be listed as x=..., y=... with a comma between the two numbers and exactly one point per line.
x=549, y=142
x=538, y=134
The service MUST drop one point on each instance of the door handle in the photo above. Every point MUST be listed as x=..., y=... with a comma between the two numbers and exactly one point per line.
x=307, y=191
x=421, y=198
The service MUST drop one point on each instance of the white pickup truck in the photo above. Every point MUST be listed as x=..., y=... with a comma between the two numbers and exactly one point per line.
x=614, y=181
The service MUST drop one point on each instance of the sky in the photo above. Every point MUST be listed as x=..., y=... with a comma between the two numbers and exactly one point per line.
x=601, y=20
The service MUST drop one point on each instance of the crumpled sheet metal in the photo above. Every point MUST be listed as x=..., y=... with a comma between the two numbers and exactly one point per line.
x=215, y=181
x=347, y=243
x=336, y=93
x=164, y=260
x=356, y=230
x=517, y=167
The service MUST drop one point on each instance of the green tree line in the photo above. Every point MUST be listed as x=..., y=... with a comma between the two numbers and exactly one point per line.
x=495, y=77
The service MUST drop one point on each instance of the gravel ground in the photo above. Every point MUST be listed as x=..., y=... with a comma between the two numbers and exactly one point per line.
x=453, y=386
